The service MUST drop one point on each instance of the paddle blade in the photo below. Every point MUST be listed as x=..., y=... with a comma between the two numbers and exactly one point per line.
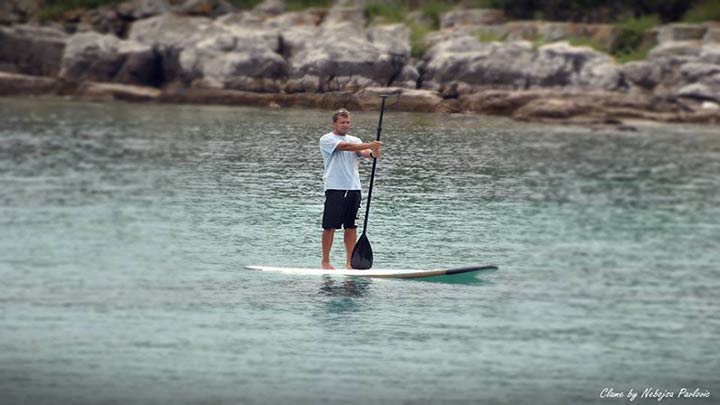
x=362, y=255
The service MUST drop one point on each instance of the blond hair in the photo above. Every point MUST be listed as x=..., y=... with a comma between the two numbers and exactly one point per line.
x=340, y=113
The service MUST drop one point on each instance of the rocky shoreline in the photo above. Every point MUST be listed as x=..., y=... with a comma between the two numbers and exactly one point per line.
x=212, y=54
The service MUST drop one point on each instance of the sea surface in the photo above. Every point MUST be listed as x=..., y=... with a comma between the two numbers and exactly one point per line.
x=125, y=229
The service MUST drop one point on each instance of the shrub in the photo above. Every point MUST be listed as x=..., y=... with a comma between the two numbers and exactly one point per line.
x=631, y=38
x=54, y=9
x=298, y=5
x=433, y=10
x=708, y=10
x=639, y=53
x=418, y=45
x=390, y=11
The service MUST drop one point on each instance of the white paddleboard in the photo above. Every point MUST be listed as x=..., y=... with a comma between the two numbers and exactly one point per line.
x=379, y=273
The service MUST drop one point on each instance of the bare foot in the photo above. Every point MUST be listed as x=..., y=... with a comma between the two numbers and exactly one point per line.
x=326, y=266
x=348, y=266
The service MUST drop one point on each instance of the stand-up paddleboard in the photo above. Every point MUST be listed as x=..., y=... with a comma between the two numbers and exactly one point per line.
x=377, y=273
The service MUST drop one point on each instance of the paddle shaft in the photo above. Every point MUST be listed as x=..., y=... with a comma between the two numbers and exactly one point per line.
x=372, y=174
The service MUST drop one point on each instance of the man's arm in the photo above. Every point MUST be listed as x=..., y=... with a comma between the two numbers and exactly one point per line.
x=367, y=153
x=358, y=147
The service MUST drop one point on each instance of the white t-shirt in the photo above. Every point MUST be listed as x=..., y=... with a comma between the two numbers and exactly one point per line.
x=341, y=167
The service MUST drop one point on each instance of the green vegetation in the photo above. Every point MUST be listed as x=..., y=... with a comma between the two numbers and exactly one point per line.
x=589, y=42
x=390, y=11
x=54, y=9
x=639, y=53
x=418, y=45
x=434, y=9
x=298, y=5
x=488, y=36
x=552, y=10
x=707, y=10
x=245, y=4
x=595, y=10
x=631, y=43
x=398, y=10
x=537, y=41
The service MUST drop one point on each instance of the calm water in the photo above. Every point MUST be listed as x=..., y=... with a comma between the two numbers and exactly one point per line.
x=124, y=230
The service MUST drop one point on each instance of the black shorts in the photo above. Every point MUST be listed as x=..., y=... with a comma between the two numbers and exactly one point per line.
x=341, y=209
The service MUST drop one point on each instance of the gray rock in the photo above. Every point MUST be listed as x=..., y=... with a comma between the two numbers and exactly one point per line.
x=311, y=17
x=296, y=39
x=459, y=17
x=503, y=102
x=17, y=84
x=560, y=65
x=96, y=57
x=333, y=64
x=466, y=60
x=235, y=59
x=600, y=75
x=31, y=49
x=678, y=50
x=172, y=31
x=18, y=11
x=169, y=34
x=401, y=99
x=712, y=36
x=407, y=78
x=353, y=16
x=393, y=39
x=271, y=7
x=223, y=54
x=437, y=37
x=643, y=74
x=242, y=19
x=464, y=65
x=710, y=53
x=105, y=20
x=113, y=91
x=344, y=57
x=695, y=72
x=680, y=32
x=700, y=91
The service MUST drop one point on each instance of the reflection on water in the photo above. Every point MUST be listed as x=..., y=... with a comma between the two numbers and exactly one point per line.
x=348, y=287
x=475, y=279
x=343, y=295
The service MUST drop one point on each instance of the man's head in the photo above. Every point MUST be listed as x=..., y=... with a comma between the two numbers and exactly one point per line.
x=341, y=121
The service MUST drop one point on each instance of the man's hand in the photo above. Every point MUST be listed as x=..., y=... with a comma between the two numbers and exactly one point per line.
x=375, y=145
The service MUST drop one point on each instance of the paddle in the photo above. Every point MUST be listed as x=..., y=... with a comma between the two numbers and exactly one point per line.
x=362, y=255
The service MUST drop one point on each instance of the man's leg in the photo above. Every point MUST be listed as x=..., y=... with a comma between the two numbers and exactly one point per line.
x=327, y=241
x=350, y=236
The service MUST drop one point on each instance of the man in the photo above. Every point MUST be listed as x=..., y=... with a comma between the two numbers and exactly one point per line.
x=341, y=153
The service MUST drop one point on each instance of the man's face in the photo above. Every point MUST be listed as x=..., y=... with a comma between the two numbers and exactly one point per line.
x=341, y=126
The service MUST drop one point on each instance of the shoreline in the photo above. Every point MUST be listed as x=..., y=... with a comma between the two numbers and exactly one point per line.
x=547, y=106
